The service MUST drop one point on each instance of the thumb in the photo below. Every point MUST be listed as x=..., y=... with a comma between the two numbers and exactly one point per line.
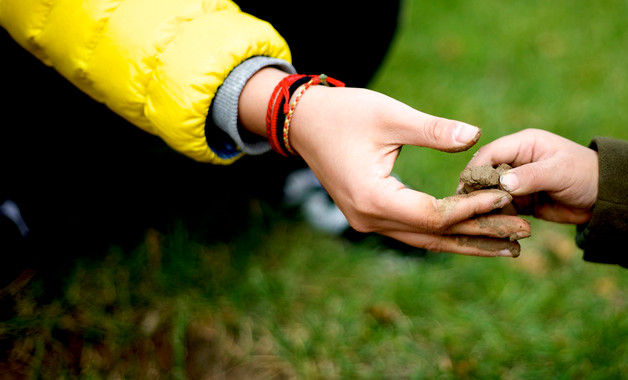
x=421, y=129
x=531, y=178
x=448, y=135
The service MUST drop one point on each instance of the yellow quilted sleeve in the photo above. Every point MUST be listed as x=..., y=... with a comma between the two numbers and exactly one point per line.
x=157, y=63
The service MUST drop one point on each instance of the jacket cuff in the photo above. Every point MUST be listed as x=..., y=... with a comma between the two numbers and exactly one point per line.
x=605, y=232
x=225, y=105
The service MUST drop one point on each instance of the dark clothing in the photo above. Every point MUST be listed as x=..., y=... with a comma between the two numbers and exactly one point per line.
x=602, y=239
x=347, y=40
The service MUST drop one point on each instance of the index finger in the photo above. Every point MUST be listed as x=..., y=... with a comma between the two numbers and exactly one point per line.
x=519, y=148
x=503, y=150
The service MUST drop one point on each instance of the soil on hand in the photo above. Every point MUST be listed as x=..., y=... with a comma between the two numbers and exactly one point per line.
x=486, y=177
x=482, y=177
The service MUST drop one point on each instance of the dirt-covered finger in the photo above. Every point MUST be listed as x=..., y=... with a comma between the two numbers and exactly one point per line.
x=408, y=210
x=457, y=208
x=460, y=244
x=505, y=149
x=496, y=226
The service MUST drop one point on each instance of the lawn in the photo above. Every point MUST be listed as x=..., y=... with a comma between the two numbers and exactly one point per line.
x=283, y=301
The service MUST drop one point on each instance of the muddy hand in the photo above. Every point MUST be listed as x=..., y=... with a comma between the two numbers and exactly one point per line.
x=552, y=178
x=352, y=147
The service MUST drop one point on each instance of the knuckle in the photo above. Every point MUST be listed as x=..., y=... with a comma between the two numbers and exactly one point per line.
x=363, y=214
x=436, y=223
x=436, y=129
x=435, y=245
x=530, y=179
x=439, y=225
x=531, y=176
x=361, y=225
x=436, y=220
x=361, y=222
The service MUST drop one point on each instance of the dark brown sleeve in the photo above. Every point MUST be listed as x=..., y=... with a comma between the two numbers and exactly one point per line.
x=603, y=239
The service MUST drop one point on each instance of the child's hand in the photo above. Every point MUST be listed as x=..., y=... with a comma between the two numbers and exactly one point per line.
x=553, y=178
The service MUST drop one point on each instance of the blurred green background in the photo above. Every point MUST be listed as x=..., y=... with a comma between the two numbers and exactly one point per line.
x=283, y=301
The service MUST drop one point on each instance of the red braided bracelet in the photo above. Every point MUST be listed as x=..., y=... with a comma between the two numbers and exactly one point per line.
x=275, y=115
x=277, y=99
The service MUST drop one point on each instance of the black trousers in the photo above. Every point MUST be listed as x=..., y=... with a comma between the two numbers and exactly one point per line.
x=84, y=177
x=346, y=39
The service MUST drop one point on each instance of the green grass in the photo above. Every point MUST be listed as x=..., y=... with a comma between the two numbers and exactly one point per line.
x=283, y=301
x=505, y=67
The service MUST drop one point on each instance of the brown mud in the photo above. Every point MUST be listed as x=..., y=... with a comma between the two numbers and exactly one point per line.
x=489, y=244
x=503, y=227
x=482, y=177
x=487, y=177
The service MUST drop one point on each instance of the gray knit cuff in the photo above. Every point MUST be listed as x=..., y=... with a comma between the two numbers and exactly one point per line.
x=225, y=104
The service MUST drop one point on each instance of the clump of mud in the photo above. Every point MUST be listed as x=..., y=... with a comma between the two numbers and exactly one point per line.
x=487, y=177
x=482, y=177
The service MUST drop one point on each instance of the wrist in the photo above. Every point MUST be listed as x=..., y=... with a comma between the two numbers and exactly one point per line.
x=253, y=101
x=305, y=118
x=594, y=178
x=282, y=105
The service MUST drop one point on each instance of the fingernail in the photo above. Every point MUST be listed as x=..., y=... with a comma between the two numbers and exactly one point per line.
x=508, y=253
x=465, y=133
x=504, y=253
x=509, y=181
x=503, y=201
x=519, y=235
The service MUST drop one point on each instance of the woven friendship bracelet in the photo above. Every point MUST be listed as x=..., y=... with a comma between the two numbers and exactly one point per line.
x=291, y=108
x=279, y=112
x=280, y=93
x=278, y=108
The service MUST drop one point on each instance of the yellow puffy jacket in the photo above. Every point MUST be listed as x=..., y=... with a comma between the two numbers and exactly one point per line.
x=157, y=63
